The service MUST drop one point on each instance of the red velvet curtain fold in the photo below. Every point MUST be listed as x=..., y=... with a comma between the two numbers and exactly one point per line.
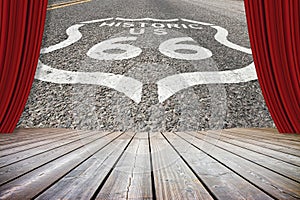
x=275, y=40
x=22, y=24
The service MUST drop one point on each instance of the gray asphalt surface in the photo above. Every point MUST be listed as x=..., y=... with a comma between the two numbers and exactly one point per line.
x=95, y=107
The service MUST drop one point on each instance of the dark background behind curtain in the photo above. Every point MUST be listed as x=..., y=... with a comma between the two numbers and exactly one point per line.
x=275, y=41
x=22, y=24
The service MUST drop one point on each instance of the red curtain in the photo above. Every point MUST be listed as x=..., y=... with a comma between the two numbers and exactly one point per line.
x=21, y=31
x=275, y=40
x=274, y=35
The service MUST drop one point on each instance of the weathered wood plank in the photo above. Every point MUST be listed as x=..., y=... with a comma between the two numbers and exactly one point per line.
x=223, y=182
x=280, y=142
x=270, y=133
x=83, y=181
x=271, y=130
x=20, y=133
x=173, y=178
x=16, y=149
x=29, y=134
x=131, y=178
x=35, y=140
x=36, y=181
x=283, y=168
x=257, y=142
x=12, y=171
x=233, y=165
x=274, y=184
x=263, y=133
x=262, y=148
x=32, y=149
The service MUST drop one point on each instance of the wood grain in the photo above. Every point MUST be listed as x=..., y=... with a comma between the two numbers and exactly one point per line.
x=218, y=164
x=173, y=178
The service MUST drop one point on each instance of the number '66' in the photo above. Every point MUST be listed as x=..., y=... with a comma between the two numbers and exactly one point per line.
x=106, y=50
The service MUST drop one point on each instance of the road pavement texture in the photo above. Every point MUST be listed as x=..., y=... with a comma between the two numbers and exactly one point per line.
x=147, y=65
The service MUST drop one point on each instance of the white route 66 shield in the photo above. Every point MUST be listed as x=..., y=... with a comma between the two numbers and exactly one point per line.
x=177, y=46
x=131, y=87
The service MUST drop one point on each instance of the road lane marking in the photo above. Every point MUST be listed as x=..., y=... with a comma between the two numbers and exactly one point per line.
x=146, y=19
x=62, y=3
x=129, y=86
x=96, y=21
x=73, y=36
x=65, y=4
x=196, y=22
x=173, y=84
x=221, y=36
x=132, y=88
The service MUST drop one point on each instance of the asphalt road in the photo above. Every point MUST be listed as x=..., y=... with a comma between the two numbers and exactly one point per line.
x=147, y=65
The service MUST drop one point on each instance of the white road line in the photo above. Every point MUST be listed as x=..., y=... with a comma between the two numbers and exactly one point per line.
x=73, y=36
x=129, y=86
x=172, y=84
x=97, y=20
x=196, y=22
x=221, y=36
x=65, y=4
x=147, y=19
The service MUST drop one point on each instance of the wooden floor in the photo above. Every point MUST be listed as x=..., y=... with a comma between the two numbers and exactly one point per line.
x=228, y=164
